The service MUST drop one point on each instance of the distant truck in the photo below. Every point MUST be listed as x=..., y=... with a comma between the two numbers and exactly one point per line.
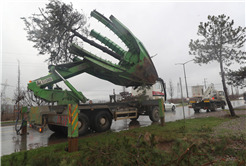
x=209, y=100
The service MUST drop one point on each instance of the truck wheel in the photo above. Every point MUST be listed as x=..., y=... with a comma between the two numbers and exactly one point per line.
x=83, y=124
x=223, y=107
x=102, y=121
x=173, y=108
x=136, y=117
x=197, y=110
x=154, y=114
x=213, y=107
x=92, y=126
x=64, y=130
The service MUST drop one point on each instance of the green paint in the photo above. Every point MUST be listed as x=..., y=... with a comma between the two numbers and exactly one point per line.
x=35, y=114
x=108, y=43
x=161, y=108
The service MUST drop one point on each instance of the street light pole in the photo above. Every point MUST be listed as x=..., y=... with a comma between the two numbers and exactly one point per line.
x=205, y=83
x=185, y=75
x=185, y=82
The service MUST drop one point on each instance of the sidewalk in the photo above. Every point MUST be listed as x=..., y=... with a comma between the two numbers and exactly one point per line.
x=241, y=107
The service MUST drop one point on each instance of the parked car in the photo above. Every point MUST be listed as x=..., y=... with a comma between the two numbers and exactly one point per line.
x=169, y=106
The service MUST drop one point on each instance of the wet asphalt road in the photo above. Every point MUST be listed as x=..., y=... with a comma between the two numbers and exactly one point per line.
x=11, y=142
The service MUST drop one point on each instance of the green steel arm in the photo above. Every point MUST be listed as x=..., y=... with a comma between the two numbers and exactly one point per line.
x=136, y=60
x=108, y=43
x=79, y=95
x=58, y=73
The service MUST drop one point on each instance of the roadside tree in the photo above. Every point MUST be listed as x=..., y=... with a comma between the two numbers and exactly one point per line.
x=220, y=42
x=171, y=90
x=27, y=98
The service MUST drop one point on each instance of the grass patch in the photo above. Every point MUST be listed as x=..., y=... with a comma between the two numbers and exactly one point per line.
x=177, y=143
x=9, y=122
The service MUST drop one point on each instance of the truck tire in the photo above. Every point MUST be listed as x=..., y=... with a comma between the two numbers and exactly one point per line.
x=154, y=114
x=92, y=126
x=83, y=124
x=102, y=121
x=223, y=107
x=173, y=108
x=197, y=110
x=213, y=107
x=64, y=130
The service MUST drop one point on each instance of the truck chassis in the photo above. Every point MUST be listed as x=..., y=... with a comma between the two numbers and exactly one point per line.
x=96, y=117
x=211, y=105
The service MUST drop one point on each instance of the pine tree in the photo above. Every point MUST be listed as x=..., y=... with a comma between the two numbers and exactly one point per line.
x=222, y=43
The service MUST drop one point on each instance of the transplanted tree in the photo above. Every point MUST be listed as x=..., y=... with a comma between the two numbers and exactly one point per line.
x=220, y=42
x=55, y=28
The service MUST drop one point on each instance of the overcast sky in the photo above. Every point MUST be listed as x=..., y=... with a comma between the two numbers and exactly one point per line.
x=165, y=28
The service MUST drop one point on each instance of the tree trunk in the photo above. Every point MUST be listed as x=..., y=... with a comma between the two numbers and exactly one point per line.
x=225, y=90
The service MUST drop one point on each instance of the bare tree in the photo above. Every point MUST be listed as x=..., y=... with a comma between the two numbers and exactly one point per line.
x=171, y=89
x=27, y=98
x=4, y=101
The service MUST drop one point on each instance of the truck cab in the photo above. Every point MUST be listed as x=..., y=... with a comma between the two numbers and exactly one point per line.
x=156, y=91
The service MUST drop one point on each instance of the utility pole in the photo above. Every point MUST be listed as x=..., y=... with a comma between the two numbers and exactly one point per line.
x=185, y=75
x=182, y=97
x=205, y=83
x=178, y=90
x=18, y=84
